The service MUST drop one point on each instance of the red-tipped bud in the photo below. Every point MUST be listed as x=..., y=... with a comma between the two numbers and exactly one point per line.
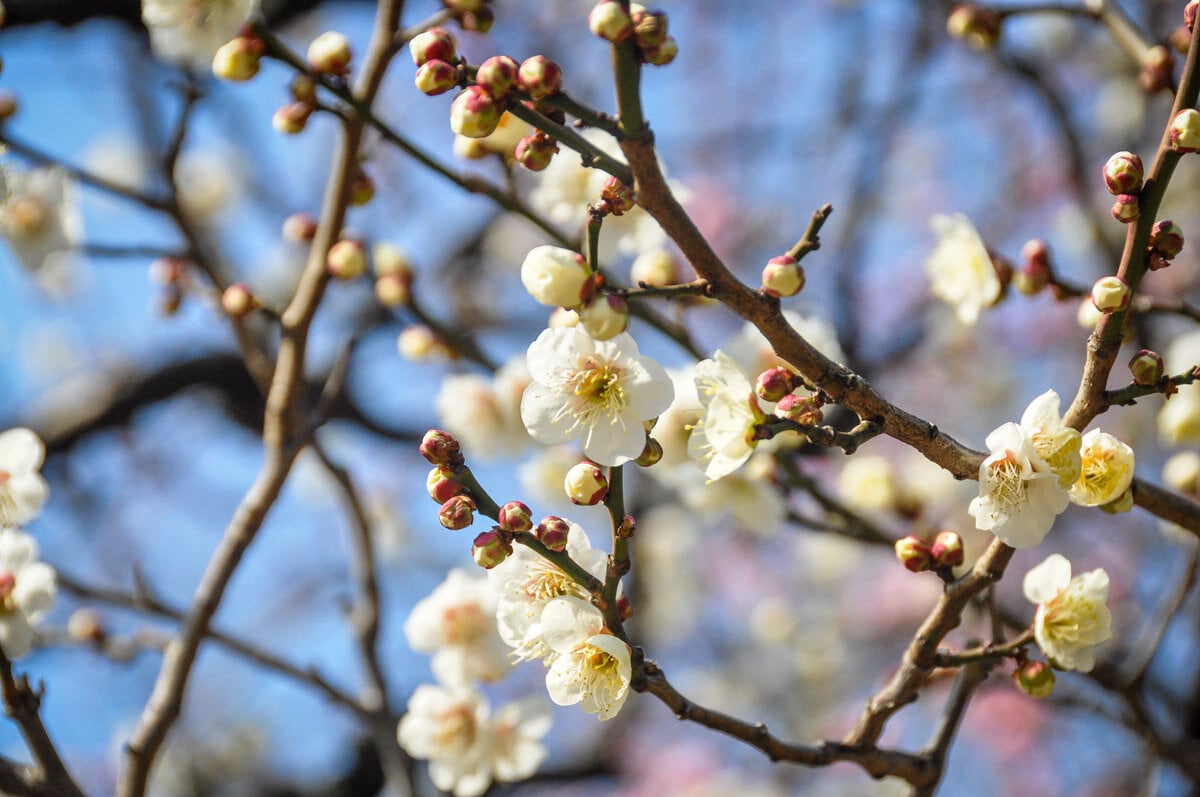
x=329, y=54
x=1146, y=367
x=1034, y=678
x=536, y=151
x=515, y=517
x=1110, y=294
x=291, y=118
x=539, y=77
x=1126, y=209
x=783, y=276
x=1166, y=238
x=237, y=301
x=586, y=484
x=804, y=410
x=1158, y=67
x=491, y=548
x=1036, y=268
x=1123, y=174
x=626, y=528
x=435, y=44
x=498, y=76
x=300, y=227
x=442, y=484
x=1189, y=14
x=238, y=59
x=474, y=113
x=1185, y=131
x=914, y=553
x=624, y=608
x=457, y=513
x=436, y=76
x=610, y=21
x=441, y=448
x=347, y=259
x=619, y=197
x=774, y=383
x=394, y=290
x=552, y=532
x=947, y=549
x=652, y=454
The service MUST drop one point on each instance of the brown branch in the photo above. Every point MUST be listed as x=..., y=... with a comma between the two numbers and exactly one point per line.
x=969, y=679
x=22, y=703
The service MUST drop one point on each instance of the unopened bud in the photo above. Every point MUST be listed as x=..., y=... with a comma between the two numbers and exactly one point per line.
x=442, y=485
x=303, y=89
x=238, y=59
x=947, y=549
x=626, y=528
x=8, y=105
x=1185, y=131
x=436, y=76
x=652, y=454
x=783, y=276
x=457, y=513
x=474, y=113
x=1146, y=367
x=291, y=118
x=1123, y=173
x=362, y=189
x=515, y=517
x=535, y=151
x=300, y=227
x=498, y=76
x=1126, y=209
x=804, y=410
x=1158, y=67
x=1189, y=14
x=977, y=26
x=539, y=77
x=586, y=484
x=435, y=44
x=478, y=21
x=649, y=28
x=390, y=259
x=1034, y=678
x=774, y=383
x=914, y=553
x=490, y=549
x=610, y=21
x=1166, y=238
x=624, y=608
x=605, y=316
x=440, y=448
x=553, y=532
x=618, y=196
x=557, y=277
x=1036, y=268
x=1182, y=472
x=418, y=342
x=237, y=301
x=655, y=267
x=393, y=290
x=329, y=54
x=1156, y=261
x=662, y=53
x=86, y=625
x=347, y=259
x=1110, y=294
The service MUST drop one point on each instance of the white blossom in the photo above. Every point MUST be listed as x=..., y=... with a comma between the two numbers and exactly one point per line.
x=723, y=437
x=22, y=488
x=1179, y=418
x=597, y=391
x=1072, y=613
x=960, y=269
x=592, y=667
x=1019, y=496
x=457, y=623
x=1107, y=470
x=754, y=353
x=27, y=590
x=189, y=32
x=485, y=414
x=1058, y=445
x=38, y=218
x=869, y=482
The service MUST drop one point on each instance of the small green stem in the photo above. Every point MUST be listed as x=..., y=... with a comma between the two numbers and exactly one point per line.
x=618, y=563
x=594, y=222
x=1130, y=393
x=697, y=288
x=945, y=658
x=628, y=74
x=483, y=501
x=562, y=561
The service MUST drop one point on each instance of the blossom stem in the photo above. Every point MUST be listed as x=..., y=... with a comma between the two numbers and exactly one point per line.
x=594, y=222
x=946, y=658
x=593, y=156
x=589, y=116
x=811, y=240
x=486, y=504
x=618, y=563
x=699, y=287
x=628, y=77
x=1130, y=393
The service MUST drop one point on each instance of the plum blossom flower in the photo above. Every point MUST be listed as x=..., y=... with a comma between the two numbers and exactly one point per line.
x=723, y=437
x=467, y=747
x=1019, y=496
x=457, y=623
x=27, y=590
x=960, y=269
x=597, y=391
x=1179, y=418
x=189, y=32
x=22, y=488
x=1107, y=470
x=526, y=583
x=1072, y=613
x=1058, y=445
x=38, y=219
x=592, y=667
x=485, y=414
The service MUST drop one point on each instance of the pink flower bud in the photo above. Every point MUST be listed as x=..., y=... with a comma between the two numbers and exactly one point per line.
x=609, y=21
x=291, y=118
x=586, y=484
x=435, y=44
x=474, y=113
x=652, y=454
x=535, y=152
x=1123, y=173
x=1166, y=238
x=662, y=53
x=1189, y=14
x=515, y=517
x=347, y=259
x=804, y=410
x=436, y=76
x=626, y=528
x=238, y=59
x=238, y=301
x=947, y=549
x=604, y=317
x=442, y=485
x=1036, y=269
x=1034, y=678
x=498, y=76
x=774, y=383
x=1126, y=209
x=1185, y=131
x=457, y=513
x=1147, y=367
x=300, y=227
x=914, y=553
x=977, y=26
x=624, y=608
x=490, y=549
x=552, y=532
x=329, y=54
x=440, y=448
x=783, y=276
x=539, y=77
x=1110, y=294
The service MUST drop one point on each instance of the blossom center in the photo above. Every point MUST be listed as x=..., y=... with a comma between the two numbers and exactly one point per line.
x=29, y=216
x=463, y=624
x=546, y=583
x=1008, y=486
x=8, y=583
x=602, y=663
x=598, y=390
x=456, y=728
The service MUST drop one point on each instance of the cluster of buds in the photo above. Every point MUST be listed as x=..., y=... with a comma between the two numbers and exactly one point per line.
x=804, y=410
x=647, y=29
x=292, y=117
x=496, y=544
x=1166, y=241
x=1123, y=175
x=783, y=276
x=540, y=78
x=436, y=56
x=1185, y=131
x=977, y=26
x=775, y=383
x=239, y=58
x=919, y=555
x=393, y=276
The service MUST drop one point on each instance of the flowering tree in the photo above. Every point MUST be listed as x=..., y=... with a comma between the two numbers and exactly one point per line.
x=724, y=459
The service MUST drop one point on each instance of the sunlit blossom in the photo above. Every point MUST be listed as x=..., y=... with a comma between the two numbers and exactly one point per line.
x=27, y=591
x=960, y=269
x=1019, y=496
x=22, y=488
x=1058, y=445
x=1072, y=614
x=592, y=667
x=1107, y=470
x=457, y=623
x=723, y=437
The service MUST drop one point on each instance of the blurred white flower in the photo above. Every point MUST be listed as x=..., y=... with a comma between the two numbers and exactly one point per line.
x=753, y=351
x=27, y=590
x=723, y=437
x=22, y=488
x=1019, y=496
x=960, y=269
x=1058, y=445
x=1179, y=418
x=38, y=218
x=208, y=181
x=1072, y=614
x=1107, y=470
x=748, y=498
x=189, y=32
x=457, y=623
x=592, y=667
x=597, y=391
x=485, y=414
x=868, y=482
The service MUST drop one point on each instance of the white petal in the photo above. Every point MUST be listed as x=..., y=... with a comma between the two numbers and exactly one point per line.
x=567, y=623
x=20, y=450
x=1048, y=579
x=540, y=412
